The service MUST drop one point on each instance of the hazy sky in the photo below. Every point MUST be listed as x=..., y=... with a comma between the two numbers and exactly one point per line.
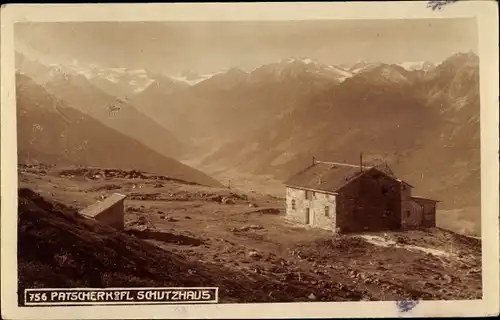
x=214, y=46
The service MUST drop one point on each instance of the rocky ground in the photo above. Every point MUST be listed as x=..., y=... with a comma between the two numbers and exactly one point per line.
x=227, y=238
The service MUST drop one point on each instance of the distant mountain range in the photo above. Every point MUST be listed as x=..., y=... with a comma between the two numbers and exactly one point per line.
x=421, y=118
x=123, y=81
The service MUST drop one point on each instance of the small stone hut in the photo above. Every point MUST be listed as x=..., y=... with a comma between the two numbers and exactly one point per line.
x=353, y=198
x=110, y=211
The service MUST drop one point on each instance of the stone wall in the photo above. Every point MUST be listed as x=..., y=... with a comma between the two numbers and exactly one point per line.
x=318, y=205
x=296, y=204
x=297, y=208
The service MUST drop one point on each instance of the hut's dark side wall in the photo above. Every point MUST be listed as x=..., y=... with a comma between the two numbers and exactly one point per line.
x=371, y=202
x=113, y=216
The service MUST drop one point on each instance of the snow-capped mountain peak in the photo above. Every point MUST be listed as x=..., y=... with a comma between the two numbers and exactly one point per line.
x=417, y=65
x=363, y=65
x=192, y=78
x=303, y=60
x=314, y=66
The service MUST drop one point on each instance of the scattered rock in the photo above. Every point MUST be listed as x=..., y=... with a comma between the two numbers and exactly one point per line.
x=267, y=211
x=141, y=228
x=247, y=228
x=447, y=278
x=187, y=217
x=254, y=254
x=95, y=174
x=238, y=196
x=216, y=198
x=135, y=209
x=227, y=201
x=312, y=296
x=170, y=219
x=402, y=240
x=256, y=227
x=142, y=220
x=144, y=196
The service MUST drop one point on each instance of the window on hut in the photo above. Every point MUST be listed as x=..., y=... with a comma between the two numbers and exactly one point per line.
x=308, y=195
x=327, y=211
x=293, y=204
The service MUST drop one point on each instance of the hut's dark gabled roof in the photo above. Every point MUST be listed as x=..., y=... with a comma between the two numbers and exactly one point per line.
x=423, y=199
x=325, y=177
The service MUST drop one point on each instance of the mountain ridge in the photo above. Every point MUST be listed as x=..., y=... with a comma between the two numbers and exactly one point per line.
x=52, y=132
x=404, y=119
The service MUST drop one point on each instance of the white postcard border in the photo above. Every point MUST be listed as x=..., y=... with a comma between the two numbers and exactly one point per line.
x=486, y=14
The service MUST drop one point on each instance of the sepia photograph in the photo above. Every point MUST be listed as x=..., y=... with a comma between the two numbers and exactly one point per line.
x=248, y=162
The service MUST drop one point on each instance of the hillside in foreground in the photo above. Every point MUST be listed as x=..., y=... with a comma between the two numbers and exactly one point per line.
x=181, y=234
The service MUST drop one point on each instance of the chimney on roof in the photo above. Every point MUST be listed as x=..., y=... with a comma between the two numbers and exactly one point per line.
x=361, y=161
x=314, y=160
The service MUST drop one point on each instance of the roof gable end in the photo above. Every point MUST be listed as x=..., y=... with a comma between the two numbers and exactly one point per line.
x=98, y=207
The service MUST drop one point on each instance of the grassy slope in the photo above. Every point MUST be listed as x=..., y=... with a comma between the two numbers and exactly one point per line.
x=59, y=249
